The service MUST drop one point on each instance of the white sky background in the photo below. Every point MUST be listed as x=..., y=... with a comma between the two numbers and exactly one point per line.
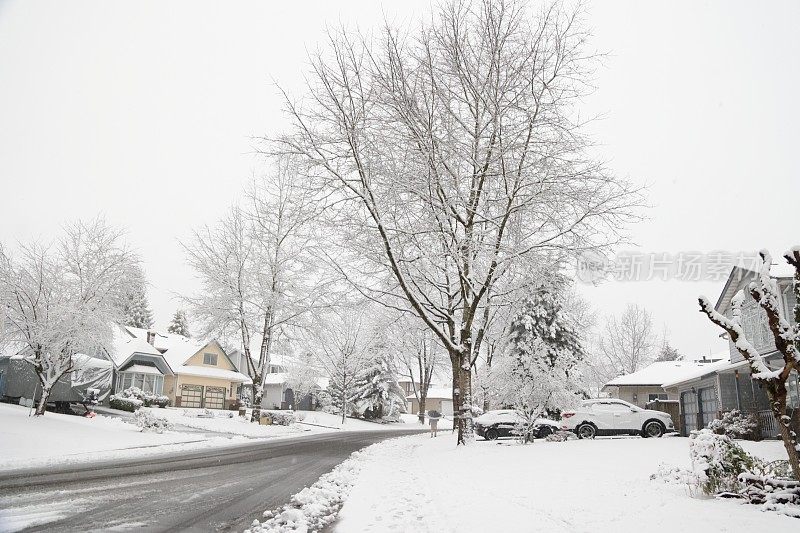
x=142, y=111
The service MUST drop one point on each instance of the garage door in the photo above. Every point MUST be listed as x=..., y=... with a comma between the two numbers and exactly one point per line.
x=215, y=397
x=708, y=405
x=191, y=396
x=689, y=410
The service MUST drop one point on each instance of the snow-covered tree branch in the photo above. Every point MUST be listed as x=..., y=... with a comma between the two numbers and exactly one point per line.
x=787, y=337
x=63, y=299
x=455, y=154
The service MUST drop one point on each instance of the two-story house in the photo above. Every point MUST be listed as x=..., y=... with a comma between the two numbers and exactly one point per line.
x=715, y=389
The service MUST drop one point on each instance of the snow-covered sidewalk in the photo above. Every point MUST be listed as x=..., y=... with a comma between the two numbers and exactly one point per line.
x=418, y=484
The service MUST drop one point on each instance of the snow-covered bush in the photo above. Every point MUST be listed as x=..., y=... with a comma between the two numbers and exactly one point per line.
x=147, y=398
x=560, y=436
x=281, y=418
x=147, y=421
x=718, y=461
x=736, y=425
x=124, y=404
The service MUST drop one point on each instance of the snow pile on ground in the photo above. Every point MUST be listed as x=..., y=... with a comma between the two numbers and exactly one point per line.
x=315, y=507
x=227, y=422
x=421, y=484
x=64, y=439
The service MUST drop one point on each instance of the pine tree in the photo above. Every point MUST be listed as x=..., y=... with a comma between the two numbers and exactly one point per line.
x=542, y=371
x=377, y=393
x=179, y=324
x=668, y=353
x=135, y=307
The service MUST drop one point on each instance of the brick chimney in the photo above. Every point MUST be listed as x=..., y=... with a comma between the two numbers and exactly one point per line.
x=151, y=338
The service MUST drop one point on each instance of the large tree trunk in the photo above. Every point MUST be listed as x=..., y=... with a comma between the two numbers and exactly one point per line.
x=421, y=413
x=41, y=405
x=258, y=395
x=462, y=401
x=777, y=397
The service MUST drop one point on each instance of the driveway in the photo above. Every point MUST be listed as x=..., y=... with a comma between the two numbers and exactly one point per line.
x=213, y=490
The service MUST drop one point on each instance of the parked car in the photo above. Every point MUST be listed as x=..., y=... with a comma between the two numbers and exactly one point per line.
x=492, y=425
x=602, y=417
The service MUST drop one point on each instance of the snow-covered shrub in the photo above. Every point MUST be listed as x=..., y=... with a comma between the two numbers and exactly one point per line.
x=718, y=461
x=124, y=404
x=281, y=418
x=560, y=436
x=148, y=399
x=147, y=421
x=736, y=425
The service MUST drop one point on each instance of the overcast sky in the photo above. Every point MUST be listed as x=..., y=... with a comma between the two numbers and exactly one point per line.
x=142, y=111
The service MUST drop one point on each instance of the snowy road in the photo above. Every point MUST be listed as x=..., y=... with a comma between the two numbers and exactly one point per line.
x=213, y=490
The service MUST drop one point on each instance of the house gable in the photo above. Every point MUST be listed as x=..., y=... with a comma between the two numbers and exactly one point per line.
x=217, y=355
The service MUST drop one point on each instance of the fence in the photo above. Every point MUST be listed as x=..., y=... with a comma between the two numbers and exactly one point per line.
x=768, y=425
x=671, y=407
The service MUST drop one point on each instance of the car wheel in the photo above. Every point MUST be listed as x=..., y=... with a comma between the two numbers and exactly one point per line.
x=491, y=434
x=544, y=431
x=654, y=429
x=586, y=431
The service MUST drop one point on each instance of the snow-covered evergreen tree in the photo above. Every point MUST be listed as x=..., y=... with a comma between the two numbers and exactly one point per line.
x=377, y=393
x=541, y=372
x=668, y=353
x=179, y=324
x=135, y=306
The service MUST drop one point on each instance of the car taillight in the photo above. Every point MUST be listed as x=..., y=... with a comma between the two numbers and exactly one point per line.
x=567, y=414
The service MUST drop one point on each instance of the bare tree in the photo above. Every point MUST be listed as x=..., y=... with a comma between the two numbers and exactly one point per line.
x=258, y=269
x=419, y=355
x=63, y=299
x=787, y=339
x=454, y=153
x=626, y=343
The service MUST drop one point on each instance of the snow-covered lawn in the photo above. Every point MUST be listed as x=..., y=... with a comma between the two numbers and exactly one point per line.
x=63, y=439
x=419, y=484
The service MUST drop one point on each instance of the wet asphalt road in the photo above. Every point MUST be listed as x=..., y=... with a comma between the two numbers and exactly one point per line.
x=211, y=490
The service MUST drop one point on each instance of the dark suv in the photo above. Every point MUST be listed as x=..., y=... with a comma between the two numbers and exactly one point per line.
x=495, y=424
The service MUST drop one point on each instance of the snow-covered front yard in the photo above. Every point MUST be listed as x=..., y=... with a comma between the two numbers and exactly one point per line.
x=418, y=484
x=57, y=439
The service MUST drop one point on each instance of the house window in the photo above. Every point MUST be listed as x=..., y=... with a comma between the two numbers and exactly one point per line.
x=654, y=397
x=756, y=328
x=147, y=382
x=210, y=359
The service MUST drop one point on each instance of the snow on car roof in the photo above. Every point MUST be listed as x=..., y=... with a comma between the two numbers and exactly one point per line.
x=659, y=373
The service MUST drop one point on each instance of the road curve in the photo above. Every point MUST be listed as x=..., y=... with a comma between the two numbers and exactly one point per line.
x=213, y=490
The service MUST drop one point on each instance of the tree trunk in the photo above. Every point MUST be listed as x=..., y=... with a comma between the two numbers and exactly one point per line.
x=258, y=395
x=462, y=402
x=777, y=394
x=42, y=403
x=421, y=413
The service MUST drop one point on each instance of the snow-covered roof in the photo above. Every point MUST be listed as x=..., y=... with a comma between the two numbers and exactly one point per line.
x=213, y=372
x=706, y=369
x=436, y=393
x=125, y=344
x=658, y=373
x=144, y=369
x=279, y=378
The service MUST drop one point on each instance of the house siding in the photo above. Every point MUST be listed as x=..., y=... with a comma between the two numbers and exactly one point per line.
x=641, y=393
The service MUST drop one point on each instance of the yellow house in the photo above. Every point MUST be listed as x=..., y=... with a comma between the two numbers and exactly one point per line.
x=202, y=373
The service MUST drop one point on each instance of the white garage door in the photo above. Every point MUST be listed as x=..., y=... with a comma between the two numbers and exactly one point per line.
x=191, y=396
x=215, y=398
